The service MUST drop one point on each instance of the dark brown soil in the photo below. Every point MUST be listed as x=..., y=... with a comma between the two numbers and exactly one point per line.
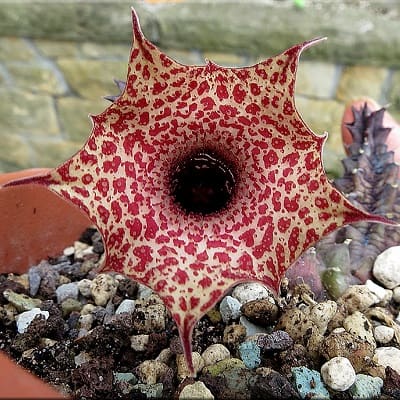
x=49, y=348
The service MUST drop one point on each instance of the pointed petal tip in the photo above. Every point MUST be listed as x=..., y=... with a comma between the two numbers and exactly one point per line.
x=137, y=30
x=387, y=220
x=312, y=42
x=376, y=218
x=297, y=49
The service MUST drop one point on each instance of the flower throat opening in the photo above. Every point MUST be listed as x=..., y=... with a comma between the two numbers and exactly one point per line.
x=202, y=183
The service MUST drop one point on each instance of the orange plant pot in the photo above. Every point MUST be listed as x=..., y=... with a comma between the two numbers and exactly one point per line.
x=35, y=223
x=17, y=383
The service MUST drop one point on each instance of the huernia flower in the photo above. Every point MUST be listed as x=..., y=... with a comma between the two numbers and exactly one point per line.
x=201, y=177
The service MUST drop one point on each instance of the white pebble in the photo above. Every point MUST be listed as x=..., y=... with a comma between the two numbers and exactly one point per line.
x=246, y=292
x=139, y=342
x=165, y=356
x=103, y=288
x=79, y=246
x=214, y=353
x=126, y=306
x=388, y=357
x=88, y=309
x=359, y=326
x=358, y=298
x=322, y=313
x=396, y=294
x=387, y=267
x=339, y=330
x=229, y=308
x=183, y=370
x=84, y=287
x=150, y=371
x=69, y=251
x=383, y=334
x=382, y=294
x=119, y=277
x=86, y=321
x=338, y=373
x=24, y=319
x=82, y=249
x=87, y=252
x=67, y=291
x=196, y=390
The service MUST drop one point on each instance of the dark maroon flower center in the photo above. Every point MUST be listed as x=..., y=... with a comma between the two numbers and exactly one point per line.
x=203, y=182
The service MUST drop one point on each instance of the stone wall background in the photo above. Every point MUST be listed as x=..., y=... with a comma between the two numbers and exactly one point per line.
x=57, y=60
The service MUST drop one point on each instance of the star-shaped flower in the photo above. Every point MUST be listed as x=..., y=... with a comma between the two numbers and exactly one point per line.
x=201, y=177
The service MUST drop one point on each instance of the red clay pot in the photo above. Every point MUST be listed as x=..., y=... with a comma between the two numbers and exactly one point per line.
x=17, y=383
x=35, y=223
x=393, y=141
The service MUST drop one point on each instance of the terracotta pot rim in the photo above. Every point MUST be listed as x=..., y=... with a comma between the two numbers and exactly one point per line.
x=7, y=177
x=26, y=228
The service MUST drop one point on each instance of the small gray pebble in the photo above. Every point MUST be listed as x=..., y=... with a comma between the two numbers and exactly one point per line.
x=154, y=319
x=229, y=309
x=126, y=306
x=151, y=371
x=153, y=391
x=35, y=278
x=72, y=271
x=67, y=291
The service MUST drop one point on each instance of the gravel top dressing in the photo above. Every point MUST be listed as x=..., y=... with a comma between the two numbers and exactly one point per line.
x=103, y=336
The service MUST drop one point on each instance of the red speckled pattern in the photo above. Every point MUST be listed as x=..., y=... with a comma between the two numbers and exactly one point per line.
x=283, y=201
